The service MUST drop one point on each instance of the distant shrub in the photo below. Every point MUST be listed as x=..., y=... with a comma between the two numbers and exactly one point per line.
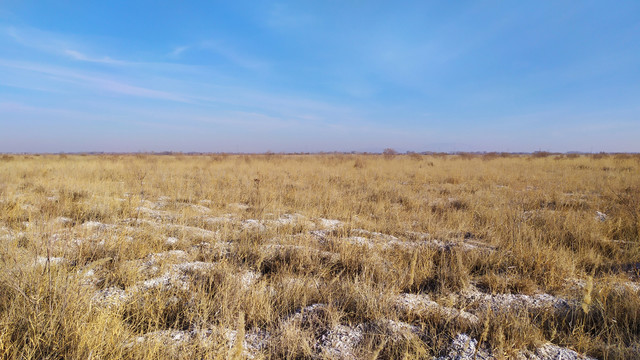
x=600, y=155
x=622, y=156
x=414, y=155
x=359, y=164
x=541, y=154
x=490, y=156
x=465, y=156
x=389, y=153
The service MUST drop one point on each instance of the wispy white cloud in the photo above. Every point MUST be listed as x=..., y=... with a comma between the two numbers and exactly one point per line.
x=69, y=47
x=126, y=89
x=82, y=57
x=97, y=82
x=43, y=41
x=29, y=86
x=207, y=95
x=223, y=50
x=56, y=44
x=27, y=109
x=260, y=107
x=232, y=55
x=177, y=51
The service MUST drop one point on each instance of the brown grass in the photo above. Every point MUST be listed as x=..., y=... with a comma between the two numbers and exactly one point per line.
x=74, y=228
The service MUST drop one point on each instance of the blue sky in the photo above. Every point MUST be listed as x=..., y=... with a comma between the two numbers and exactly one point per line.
x=319, y=76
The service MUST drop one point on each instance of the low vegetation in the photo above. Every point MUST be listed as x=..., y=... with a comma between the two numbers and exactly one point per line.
x=320, y=256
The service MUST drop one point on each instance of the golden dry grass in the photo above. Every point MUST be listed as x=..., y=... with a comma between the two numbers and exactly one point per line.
x=142, y=256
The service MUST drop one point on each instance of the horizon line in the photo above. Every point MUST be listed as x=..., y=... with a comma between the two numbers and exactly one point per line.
x=392, y=152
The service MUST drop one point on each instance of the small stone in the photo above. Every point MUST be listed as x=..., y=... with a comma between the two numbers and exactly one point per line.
x=172, y=241
x=602, y=217
x=43, y=260
x=463, y=347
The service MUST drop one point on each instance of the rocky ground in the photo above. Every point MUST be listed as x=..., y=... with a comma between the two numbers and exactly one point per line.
x=181, y=267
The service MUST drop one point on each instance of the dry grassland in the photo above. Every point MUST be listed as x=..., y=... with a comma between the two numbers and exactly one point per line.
x=319, y=256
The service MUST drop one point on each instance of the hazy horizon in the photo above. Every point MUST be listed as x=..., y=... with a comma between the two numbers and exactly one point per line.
x=252, y=77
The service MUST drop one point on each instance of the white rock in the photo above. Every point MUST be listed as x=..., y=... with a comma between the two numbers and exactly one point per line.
x=172, y=240
x=376, y=235
x=463, y=347
x=63, y=220
x=420, y=303
x=156, y=214
x=238, y=206
x=218, y=219
x=165, y=282
x=551, y=351
x=199, y=208
x=340, y=342
x=95, y=225
x=248, y=278
x=515, y=302
x=111, y=296
x=255, y=341
x=253, y=224
x=329, y=224
x=361, y=241
x=43, y=260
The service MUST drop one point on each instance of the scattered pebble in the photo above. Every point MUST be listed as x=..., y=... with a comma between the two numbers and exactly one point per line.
x=340, y=342
x=421, y=303
x=463, y=347
x=171, y=240
x=43, y=260
x=238, y=206
x=63, y=220
x=553, y=352
x=513, y=302
x=111, y=296
x=330, y=224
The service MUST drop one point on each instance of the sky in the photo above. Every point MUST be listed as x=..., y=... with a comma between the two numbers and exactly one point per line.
x=309, y=76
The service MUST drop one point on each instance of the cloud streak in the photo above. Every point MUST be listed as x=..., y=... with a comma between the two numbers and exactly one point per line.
x=94, y=82
x=82, y=57
x=178, y=51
